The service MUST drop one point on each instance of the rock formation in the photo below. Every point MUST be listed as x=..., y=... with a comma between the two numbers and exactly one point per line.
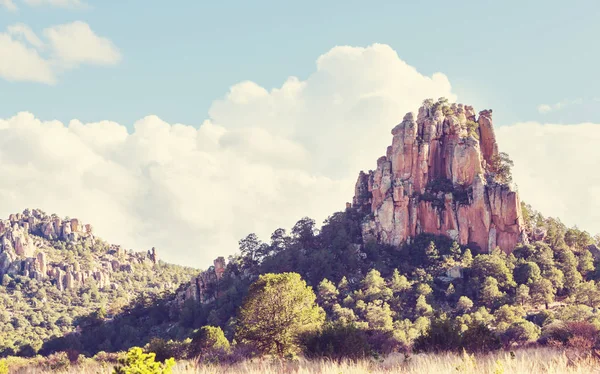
x=441, y=176
x=204, y=287
x=25, y=239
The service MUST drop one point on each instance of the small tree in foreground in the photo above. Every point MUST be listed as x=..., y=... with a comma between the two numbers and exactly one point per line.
x=279, y=308
x=138, y=362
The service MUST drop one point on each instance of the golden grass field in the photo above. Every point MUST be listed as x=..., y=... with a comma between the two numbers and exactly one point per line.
x=524, y=361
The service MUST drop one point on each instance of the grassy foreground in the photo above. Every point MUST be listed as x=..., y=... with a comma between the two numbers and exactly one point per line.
x=523, y=361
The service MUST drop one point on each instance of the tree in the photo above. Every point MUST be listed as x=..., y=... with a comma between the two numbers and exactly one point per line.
x=464, y=304
x=209, y=338
x=493, y=265
x=490, y=294
x=522, y=296
x=398, y=283
x=587, y=293
x=279, y=308
x=467, y=258
x=327, y=292
x=250, y=248
x=526, y=272
x=541, y=291
x=500, y=166
x=585, y=262
x=379, y=316
x=374, y=286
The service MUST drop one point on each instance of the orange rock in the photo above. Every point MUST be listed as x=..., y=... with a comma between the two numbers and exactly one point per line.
x=433, y=179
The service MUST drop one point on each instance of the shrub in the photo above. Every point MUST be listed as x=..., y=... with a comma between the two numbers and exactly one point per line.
x=479, y=338
x=57, y=362
x=584, y=335
x=209, y=339
x=168, y=349
x=338, y=341
x=138, y=362
x=555, y=332
x=442, y=335
x=3, y=367
x=521, y=332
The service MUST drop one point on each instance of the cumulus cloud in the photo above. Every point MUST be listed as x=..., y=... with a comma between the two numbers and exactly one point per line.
x=8, y=4
x=65, y=47
x=263, y=158
x=75, y=43
x=555, y=169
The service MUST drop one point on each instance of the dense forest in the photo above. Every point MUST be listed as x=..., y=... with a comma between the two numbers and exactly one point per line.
x=397, y=297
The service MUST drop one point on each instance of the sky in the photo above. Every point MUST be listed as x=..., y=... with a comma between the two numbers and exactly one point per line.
x=185, y=127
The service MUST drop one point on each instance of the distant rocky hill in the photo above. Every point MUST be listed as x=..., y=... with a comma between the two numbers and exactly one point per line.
x=442, y=175
x=25, y=240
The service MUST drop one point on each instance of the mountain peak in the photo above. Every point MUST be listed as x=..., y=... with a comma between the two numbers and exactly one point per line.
x=442, y=175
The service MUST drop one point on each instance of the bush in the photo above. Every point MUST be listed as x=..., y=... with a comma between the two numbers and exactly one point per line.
x=209, y=339
x=479, y=338
x=442, y=335
x=3, y=367
x=168, y=349
x=337, y=342
x=138, y=362
x=584, y=335
x=521, y=332
x=555, y=332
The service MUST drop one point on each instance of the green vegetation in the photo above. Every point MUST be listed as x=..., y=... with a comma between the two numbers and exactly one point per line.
x=35, y=315
x=278, y=310
x=138, y=362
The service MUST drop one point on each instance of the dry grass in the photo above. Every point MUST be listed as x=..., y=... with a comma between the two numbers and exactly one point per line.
x=533, y=360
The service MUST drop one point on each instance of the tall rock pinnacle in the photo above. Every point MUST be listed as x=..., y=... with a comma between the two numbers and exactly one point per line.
x=442, y=175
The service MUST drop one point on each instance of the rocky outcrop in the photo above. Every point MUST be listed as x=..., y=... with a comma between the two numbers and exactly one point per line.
x=204, y=288
x=438, y=177
x=25, y=239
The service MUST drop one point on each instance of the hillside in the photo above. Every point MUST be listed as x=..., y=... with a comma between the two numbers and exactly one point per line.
x=55, y=272
x=435, y=230
x=435, y=241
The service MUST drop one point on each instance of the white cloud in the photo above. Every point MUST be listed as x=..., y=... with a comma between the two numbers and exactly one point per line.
x=22, y=63
x=547, y=108
x=8, y=4
x=263, y=159
x=25, y=31
x=556, y=169
x=56, y=3
x=75, y=43
x=28, y=58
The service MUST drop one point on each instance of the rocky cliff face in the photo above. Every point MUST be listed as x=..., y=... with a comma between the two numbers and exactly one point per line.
x=203, y=288
x=27, y=238
x=441, y=175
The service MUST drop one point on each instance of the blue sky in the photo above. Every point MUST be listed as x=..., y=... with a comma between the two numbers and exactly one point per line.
x=258, y=148
x=177, y=59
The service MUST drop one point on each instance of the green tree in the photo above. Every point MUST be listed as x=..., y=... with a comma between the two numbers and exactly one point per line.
x=464, y=304
x=138, y=362
x=279, y=308
x=398, y=283
x=522, y=296
x=493, y=265
x=209, y=338
x=490, y=294
x=541, y=291
x=379, y=316
x=327, y=292
x=526, y=272
x=587, y=293
x=374, y=287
